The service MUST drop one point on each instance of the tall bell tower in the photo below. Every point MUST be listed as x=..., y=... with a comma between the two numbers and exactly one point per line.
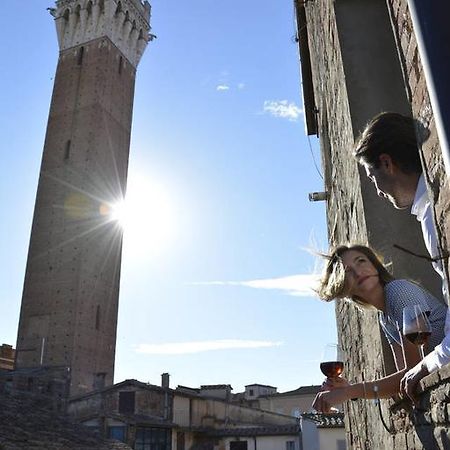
x=68, y=316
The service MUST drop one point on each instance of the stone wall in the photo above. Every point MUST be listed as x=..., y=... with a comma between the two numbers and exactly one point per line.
x=415, y=85
x=364, y=60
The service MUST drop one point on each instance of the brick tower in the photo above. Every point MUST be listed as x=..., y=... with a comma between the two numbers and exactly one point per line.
x=68, y=316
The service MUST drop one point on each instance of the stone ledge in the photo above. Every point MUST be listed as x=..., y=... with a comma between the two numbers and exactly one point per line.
x=433, y=409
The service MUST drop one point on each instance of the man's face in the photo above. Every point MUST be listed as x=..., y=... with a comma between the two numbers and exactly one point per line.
x=387, y=185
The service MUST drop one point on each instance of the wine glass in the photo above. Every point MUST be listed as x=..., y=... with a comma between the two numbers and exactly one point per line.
x=332, y=364
x=416, y=326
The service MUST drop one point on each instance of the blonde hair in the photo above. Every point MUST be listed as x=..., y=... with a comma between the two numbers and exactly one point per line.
x=332, y=283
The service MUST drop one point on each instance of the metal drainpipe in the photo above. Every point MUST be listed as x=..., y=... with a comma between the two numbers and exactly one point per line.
x=432, y=31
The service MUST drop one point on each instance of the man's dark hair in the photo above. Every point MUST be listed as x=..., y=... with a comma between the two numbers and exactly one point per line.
x=393, y=134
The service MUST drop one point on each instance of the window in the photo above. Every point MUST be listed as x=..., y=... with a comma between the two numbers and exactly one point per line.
x=99, y=380
x=238, y=445
x=153, y=439
x=67, y=150
x=126, y=402
x=80, y=56
x=180, y=440
x=250, y=392
x=117, y=432
x=97, y=318
x=290, y=445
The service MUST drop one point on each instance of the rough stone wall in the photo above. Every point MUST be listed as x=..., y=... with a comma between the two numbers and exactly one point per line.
x=351, y=215
x=439, y=188
x=345, y=212
x=217, y=413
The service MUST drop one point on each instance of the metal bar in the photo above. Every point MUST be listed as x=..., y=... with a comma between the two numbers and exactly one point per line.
x=432, y=31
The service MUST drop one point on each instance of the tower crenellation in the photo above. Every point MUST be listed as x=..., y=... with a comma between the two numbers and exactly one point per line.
x=125, y=22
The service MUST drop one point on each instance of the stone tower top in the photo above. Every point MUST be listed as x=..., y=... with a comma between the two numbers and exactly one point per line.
x=125, y=22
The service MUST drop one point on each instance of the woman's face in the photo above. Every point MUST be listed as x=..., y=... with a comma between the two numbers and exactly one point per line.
x=361, y=276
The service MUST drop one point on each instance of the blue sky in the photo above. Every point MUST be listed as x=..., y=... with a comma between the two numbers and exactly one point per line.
x=214, y=280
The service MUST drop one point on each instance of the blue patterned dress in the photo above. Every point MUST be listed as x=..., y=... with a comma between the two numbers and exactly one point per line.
x=402, y=293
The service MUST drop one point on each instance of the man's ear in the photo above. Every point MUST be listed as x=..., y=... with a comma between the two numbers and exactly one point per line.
x=386, y=162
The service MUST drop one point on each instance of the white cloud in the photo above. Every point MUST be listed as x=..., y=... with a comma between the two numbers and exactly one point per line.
x=301, y=285
x=222, y=87
x=179, y=348
x=241, y=86
x=283, y=109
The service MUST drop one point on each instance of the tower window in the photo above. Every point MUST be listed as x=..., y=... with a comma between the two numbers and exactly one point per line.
x=67, y=150
x=80, y=56
x=97, y=318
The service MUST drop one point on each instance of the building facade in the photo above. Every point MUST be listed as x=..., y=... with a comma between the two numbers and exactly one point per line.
x=359, y=58
x=69, y=306
x=146, y=416
x=7, y=355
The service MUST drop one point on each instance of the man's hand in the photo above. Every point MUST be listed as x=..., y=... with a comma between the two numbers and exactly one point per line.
x=408, y=383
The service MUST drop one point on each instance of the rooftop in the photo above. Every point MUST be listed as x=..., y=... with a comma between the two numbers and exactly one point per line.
x=28, y=421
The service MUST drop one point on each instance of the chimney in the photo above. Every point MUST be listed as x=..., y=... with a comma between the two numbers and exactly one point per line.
x=165, y=380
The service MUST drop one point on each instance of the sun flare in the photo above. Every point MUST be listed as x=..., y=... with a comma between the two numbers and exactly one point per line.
x=146, y=216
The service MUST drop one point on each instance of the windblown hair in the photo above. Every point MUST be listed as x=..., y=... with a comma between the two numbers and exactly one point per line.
x=391, y=133
x=332, y=283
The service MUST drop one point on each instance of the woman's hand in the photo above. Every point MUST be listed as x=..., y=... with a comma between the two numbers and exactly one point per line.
x=334, y=383
x=325, y=400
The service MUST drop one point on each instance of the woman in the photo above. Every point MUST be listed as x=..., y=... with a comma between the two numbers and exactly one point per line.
x=356, y=273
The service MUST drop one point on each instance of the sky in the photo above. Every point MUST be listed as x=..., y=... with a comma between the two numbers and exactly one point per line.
x=219, y=235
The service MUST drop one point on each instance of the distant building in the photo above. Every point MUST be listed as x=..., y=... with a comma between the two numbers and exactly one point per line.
x=253, y=391
x=318, y=431
x=323, y=431
x=7, y=355
x=222, y=391
x=293, y=403
x=144, y=415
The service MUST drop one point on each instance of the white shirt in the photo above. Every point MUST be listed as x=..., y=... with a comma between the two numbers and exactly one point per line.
x=421, y=208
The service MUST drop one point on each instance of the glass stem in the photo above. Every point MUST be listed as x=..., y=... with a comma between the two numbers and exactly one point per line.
x=421, y=351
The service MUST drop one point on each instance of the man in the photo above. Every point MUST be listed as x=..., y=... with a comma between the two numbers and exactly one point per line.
x=389, y=153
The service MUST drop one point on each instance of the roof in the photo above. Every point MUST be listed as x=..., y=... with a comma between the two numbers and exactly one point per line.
x=29, y=422
x=302, y=390
x=261, y=385
x=216, y=386
x=117, y=386
x=187, y=389
x=269, y=430
x=326, y=420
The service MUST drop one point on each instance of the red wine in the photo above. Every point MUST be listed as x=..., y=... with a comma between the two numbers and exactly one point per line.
x=418, y=338
x=332, y=369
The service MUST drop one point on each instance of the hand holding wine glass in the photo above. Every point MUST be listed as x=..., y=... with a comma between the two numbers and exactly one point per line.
x=416, y=326
x=332, y=364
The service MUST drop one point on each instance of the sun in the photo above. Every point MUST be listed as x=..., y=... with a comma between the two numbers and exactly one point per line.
x=146, y=216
